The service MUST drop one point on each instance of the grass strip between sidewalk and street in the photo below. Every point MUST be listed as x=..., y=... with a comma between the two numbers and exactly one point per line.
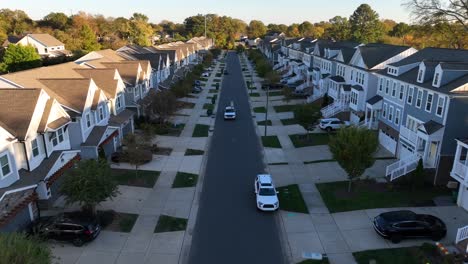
x=368, y=194
x=260, y=109
x=262, y=123
x=319, y=161
x=116, y=221
x=271, y=142
x=254, y=94
x=142, y=178
x=200, y=130
x=184, y=180
x=311, y=139
x=170, y=224
x=290, y=198
x=275, y=93
x=284, y=108
x=193, y=152
x=289, y=121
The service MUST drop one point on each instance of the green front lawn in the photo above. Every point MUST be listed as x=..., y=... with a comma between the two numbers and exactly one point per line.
x=289, y=121
x=260, y=109
x=169, y=224
x=275, y=93
x=183, y=180
x=312, y=139
x=284, y=108
x=290, y=199
x=367, y=194
x=194, y=152
x=217, y=80
x=116, y=221
x=427, y=253
x=254, y=94
x=208, y=106
x=200, y=130
x=141, y=179
x=262, y=123
x=271, y=142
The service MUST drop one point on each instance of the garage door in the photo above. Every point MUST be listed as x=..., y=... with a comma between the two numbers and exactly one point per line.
x=387, y=142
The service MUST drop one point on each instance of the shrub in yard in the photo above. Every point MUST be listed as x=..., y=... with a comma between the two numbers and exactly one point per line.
x=209, y=112
x=213, y=100
x=306, y=114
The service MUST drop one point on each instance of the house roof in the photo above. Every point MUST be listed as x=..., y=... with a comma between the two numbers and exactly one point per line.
x=347, y=54
x=434, y=54
x=17, y=108
x=70, y=92
x=346, y=87
x=431, y=127
x=357, y=87
x=46, y=39
x=337, y=79
x=57, y=123
x=121, y=118
x=104, y=79
x=128, y=70
x=11, y=40
x=95, y=136
x=454, y=66
x=375, y=99
x=376, y=53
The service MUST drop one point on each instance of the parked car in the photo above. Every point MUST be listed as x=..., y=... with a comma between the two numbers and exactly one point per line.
x=74, y=227
x=208, y=69
x=197, y=83
x=205, y=74
x=229, y=112
x=330, y=124
x=266, y=194
x=397, y=225
x=196, y=89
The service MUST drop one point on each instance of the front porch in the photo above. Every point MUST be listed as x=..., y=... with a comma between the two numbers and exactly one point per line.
x=372, y=112
x=460, y=172
x=101, y=137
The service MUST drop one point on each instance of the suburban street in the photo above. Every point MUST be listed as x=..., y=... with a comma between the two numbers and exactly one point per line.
x=229, y=228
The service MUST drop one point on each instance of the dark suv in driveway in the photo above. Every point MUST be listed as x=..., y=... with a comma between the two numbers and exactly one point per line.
x=397, y=225
x=72, y=227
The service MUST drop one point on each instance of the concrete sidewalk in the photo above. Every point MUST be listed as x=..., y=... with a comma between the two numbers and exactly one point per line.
x=142, y=245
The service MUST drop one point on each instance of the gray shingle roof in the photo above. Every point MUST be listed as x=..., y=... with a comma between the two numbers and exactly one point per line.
x=375, y=99
x=95, y=136
x=432, y=126
x=434, y=54
x=376, y=53
x=337, y=79
x=357, y=87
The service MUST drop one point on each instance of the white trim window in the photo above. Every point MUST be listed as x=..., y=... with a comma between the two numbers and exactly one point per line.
x=119, y=101
x=5, y=165
x=354, y=97
x=397, y=117
x=420, y=75
x=387, y=86
x=88, y=120
x=380, y=84
x=57, y=137
x=409, y=98
x=384, y=110
x=440, y=106
x=419, y=98
x=429, y=99
x=101, y=113
x=35, y=147
x=401, y=93
x=390, y=114
x=436, y=79
x=394, y=87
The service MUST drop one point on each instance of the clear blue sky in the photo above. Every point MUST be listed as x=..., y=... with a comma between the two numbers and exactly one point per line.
x=269, y=11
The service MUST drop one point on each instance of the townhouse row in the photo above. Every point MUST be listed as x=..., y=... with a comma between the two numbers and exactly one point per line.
x=416, y=100
x=50, y=117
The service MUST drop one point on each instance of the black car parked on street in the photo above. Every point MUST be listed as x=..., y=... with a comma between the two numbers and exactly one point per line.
x=397, y=225
x=74, y=227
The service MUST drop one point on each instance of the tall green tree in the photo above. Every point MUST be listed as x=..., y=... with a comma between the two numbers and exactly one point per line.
x=18, y=58
x=277, y=28
x=256, y=29
x=17, y=21
x=306, y=29
x=88, y=39
x=365, y=24
x=19, y=248
x=293, y=30
x=339, y=29
x=400, y=30
x=56, y=21
x=137, y=148
x=89, y=184
x=353, y=148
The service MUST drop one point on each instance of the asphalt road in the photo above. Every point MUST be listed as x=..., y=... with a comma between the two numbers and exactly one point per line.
x=229, y=229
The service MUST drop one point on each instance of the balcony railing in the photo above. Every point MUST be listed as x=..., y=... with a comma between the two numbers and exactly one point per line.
x=462, y=234
x=460, y=170
x=408, y=134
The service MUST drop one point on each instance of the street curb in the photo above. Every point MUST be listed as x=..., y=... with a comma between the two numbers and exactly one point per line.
x=188, y=234
x=287, y=252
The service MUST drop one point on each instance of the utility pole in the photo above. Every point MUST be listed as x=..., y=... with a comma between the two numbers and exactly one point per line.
x=266, y=112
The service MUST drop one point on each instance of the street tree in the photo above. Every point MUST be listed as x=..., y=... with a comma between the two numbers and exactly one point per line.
x=19, y=57
x=161, y=105
x=435, y=11
x=353, y=148
x=19, y=248
x=137, y=149
x=365, y=24
x=89, y=184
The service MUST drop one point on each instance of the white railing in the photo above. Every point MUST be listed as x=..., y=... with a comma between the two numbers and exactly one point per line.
x=408, y=134
x=277, y=66
x=334, y=108
x=301, y=87
x=461, y=171
x=294, y=79
x=402, y=167
x=462, y=234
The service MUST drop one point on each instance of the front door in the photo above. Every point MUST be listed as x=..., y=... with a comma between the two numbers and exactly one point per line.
x=431, y=156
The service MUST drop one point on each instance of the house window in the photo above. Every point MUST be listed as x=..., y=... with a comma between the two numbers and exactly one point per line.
x=409, y=99
x=101, y=113
x=384, y=111
x=419, y=99
x=397, y=117
x=60, y=135
x=390, y=114
x=88, y=120
x=436, y=79
x=354, y=97
x=440, y=106
x=5, y=165
x=394, y=89
x=35, y=147
x=53, y=138
x=380, y=84
x=420, y=74
x=429, y=102
x=402, y=91
x=387, y=87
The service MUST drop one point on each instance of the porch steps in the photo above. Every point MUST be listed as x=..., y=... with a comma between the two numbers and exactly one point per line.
x=334, y=108
x=17, y=208
x=402, y=167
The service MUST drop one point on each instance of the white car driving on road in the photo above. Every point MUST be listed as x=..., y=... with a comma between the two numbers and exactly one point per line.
x=230, y=112
x=266, y=194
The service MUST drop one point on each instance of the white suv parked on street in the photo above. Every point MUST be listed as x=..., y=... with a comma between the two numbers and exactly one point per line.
x=230, y=112
x=266, y=194
x=330, y=124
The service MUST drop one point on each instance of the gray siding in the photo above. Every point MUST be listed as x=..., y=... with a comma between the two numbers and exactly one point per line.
x=89, y=152
x=457, y=125
x=74, y=132
x=421, y=113
x=18, y=223
x=386, y=118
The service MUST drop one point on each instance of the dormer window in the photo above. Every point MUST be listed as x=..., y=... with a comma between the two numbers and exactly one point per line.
x=420, y=75
x=35, y=147
x=436, y=79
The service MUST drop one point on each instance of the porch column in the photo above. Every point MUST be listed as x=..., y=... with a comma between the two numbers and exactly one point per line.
x=365, y=116
x=458, y=153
